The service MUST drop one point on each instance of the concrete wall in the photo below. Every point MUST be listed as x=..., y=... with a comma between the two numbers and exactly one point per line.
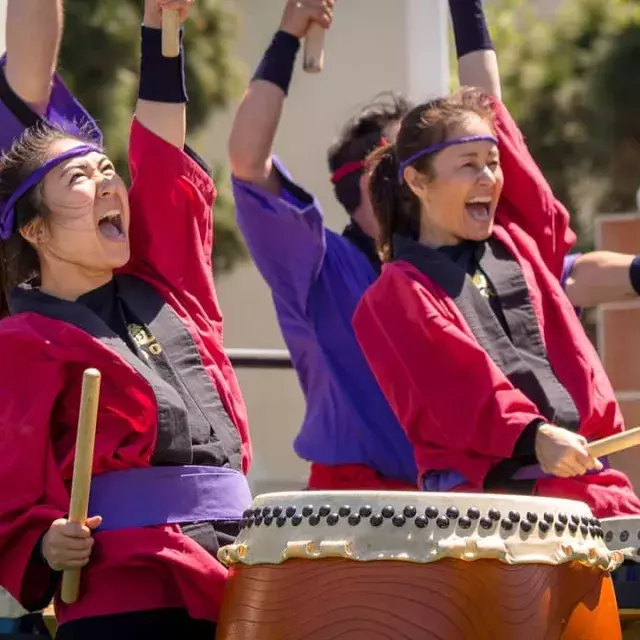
x=400, y=45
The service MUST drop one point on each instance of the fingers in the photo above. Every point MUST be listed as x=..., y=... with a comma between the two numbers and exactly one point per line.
x=575, y=462
x=181, y=6
x=320, y=11
x=68, y=545
x=93, y=522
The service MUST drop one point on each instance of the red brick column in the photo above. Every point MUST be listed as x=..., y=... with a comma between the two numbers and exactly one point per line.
x=618, y=335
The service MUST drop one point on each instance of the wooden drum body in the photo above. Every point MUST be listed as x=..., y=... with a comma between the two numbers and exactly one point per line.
x=418, y=566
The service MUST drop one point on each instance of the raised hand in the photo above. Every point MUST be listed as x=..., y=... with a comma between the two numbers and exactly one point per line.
x=153, y=10
x=298, y=15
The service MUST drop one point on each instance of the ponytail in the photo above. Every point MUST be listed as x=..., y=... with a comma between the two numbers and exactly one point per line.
x=394, y=204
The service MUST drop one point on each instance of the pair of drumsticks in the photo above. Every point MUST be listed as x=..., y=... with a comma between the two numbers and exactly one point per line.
x=313, y=44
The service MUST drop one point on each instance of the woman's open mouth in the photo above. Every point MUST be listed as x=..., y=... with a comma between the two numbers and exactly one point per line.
x=110, y=226
x=479, y=209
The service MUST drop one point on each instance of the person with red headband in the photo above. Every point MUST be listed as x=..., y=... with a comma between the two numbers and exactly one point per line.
x=317, y=276
x=119, y=280
x=467, y=329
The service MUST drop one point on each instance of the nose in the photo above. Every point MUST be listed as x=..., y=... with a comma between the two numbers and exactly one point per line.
x=106, y=186
x=487, y=176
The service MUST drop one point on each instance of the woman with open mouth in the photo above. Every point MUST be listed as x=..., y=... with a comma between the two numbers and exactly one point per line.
x=467, y=330
x=119, y=280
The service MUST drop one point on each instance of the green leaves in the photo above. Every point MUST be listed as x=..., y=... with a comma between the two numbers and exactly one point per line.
x=571, y=82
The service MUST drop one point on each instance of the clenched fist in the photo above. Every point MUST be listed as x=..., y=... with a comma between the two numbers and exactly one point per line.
x=563, y=453
x=67, y=545
x=153, y=11
x=298, y=15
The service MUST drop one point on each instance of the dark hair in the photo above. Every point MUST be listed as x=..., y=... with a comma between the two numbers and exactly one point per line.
x=358, y=138
x=396, y=207
x=18, y=259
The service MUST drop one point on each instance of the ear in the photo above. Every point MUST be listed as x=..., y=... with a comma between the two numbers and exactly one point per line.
x=34, y=232
x=364, y=188
x=417, y=182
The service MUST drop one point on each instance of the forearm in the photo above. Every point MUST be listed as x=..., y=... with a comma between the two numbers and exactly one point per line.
x=477, y=60
x=33, y=35
x=257, y=119
x=601, y=277
x=162, y=97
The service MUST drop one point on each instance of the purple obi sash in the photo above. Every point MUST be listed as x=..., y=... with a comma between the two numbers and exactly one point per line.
x=168, y=495
x=449, y=480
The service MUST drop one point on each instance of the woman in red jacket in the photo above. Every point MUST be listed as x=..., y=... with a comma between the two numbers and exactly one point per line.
x=467, y=330
x=121, y=281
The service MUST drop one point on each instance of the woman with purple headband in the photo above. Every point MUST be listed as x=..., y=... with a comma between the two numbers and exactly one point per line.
x=467, y=330
x=98, y=276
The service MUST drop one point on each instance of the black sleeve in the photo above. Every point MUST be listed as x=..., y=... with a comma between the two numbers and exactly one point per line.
x=526, y=444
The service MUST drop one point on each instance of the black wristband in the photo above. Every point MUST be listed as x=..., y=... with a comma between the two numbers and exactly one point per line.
x=161, y=79
x=470, y=28
x=277, y=63
x=634, y=274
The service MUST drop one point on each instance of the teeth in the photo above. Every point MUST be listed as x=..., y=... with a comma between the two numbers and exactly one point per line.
x=479, y=201
x=111, y=215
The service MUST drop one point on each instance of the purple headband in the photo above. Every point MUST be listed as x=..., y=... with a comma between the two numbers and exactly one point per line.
x=8, y=214
x=439, y=147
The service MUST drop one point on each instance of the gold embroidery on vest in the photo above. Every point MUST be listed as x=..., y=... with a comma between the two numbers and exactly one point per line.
x=144, y=340
x=482, y=285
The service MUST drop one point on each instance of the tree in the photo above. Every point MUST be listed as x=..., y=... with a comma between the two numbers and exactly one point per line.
x=571, y=83
x=100, y=64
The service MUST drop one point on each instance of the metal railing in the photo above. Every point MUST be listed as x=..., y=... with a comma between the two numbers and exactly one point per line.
x=260, y=358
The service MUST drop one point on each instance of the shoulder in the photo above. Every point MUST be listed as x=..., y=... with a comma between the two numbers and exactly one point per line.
x=165, y=164
x=29, y=343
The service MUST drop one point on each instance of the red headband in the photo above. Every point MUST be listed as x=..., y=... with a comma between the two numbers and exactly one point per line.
x=351, y=167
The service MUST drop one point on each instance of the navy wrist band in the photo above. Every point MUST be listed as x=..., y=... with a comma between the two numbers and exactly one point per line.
x=161, y=79
x=277, y=63
x=634, y=274
x=470, y=28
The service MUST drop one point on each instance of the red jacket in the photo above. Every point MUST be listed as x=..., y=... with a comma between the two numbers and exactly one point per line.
x=40, y=383
x=457, y=407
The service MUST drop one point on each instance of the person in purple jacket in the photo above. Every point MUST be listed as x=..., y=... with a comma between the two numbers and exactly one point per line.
x=317, y=276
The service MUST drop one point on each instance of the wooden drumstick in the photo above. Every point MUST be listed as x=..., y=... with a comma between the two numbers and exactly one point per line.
x=615, y=443
x=170, y=33
x=314, y=48
x=81, y=483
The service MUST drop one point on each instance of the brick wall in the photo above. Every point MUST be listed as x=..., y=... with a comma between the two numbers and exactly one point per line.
x=618, y=335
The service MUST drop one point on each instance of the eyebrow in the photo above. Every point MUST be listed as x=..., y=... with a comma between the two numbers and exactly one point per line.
x=475, y=154
x=83, y=165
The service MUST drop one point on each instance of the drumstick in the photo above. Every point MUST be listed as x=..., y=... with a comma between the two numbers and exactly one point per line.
x=170, y=33
x=314, y=48
x=615, y=443
x=83, y=462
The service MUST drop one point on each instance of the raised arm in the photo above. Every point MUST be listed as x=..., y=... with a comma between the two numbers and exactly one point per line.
x=257, y=119
x=162, y=98
x=527, y=200
x=477, y=60
x=33, y=35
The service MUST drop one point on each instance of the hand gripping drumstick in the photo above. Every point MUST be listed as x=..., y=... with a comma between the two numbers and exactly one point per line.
x=615, y=443
x=314, y=48
x=81, y=482
x=170, y=33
